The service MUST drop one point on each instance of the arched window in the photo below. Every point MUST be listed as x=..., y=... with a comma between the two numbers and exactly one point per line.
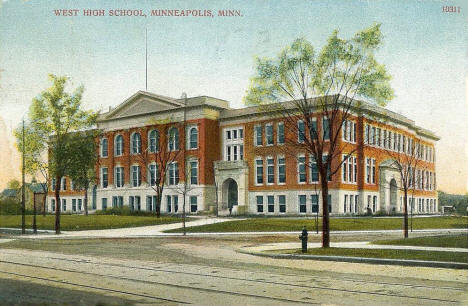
x=153, y=143
x=136, y=143
x=118, y=145
x=104, y=147
x=173, y=138
x=193, y=135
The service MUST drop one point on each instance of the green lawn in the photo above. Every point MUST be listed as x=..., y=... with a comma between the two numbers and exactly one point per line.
x=445, y=241
x=81, y=222
x=382, y=253
x=336, y=224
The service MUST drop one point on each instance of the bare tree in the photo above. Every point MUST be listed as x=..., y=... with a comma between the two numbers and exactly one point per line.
x=162, y=151
x=407, y=156
x=321, y=91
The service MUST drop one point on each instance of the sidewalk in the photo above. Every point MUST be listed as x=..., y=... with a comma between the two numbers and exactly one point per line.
x=141, y=231
x=350, y=245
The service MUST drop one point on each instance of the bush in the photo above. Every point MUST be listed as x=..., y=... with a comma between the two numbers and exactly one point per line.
x=124, y=211
x=10, y=206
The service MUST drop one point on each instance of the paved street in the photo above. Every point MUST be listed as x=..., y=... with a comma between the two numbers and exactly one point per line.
x=209, y=271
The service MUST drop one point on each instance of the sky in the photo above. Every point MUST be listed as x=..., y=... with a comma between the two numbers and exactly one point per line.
x=425, y=50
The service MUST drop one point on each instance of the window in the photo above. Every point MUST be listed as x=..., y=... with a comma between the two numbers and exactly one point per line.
x=194, y=172
x=64, y=183
x=300, y=131
x=136, y=143
x=153, y=145
x=374, y=204
x=104, y=203
x=280, y=135
x=228, y=135
x=282, y=203
x=326, y=128
x=173, y=173
x=281, y=170
x=366, y=134
x=313, y=129
x=345, y=203
x=241, y=133
x=134, y=202
x=104, y=178
x=119, y=177
x=169, y=204
x=301, y=169
x=64, y=204
x=270, y=170
x=271, y=203
x=233, y=144
x=356, y=200
x=302, y=203
x=118, y=150
x=314, y=201
x=53, y=184
x=136, y=176
x=259, y=171
x=378, y=136
x=314, y=174
x=114, y=202
x=173, y=139
x=269, y=134
x=258, y=135
x=349, y=131
x=259, y=204
x=193, y=135
x=234, y=134
x=349, y=169
x=72, y=185
x=193, y=204
x=104, y=147
x=370, y=170
x=329, y=198
x=73, y=204
x=369, y=201
x=153, y=174
x=351, y=203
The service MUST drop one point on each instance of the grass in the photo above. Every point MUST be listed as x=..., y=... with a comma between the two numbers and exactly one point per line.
x=341, y=224
x=90, y=222
x=383, y=253
x=444, y=241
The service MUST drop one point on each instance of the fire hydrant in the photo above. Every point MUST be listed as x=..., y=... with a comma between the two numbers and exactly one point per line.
x=303, y=238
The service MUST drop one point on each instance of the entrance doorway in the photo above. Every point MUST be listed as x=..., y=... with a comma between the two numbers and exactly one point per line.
x=230, y=194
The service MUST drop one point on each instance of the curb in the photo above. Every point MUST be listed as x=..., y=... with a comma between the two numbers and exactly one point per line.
x=380, y=261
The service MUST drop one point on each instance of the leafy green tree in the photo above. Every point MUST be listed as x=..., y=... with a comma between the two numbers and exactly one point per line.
x=35, y=154
x=54, y=116
x=82, y=169
x=322, y=91
x=13, y=184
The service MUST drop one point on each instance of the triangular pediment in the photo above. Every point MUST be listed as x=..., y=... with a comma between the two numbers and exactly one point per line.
x=142, y=103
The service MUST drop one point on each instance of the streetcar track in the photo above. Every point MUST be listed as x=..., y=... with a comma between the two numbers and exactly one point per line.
x=225, y=277
x=145, y=282
x=245, y=279
x=93, y=287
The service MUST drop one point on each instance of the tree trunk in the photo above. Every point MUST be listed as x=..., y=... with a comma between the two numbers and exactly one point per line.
x=86, y=199
x=158, y=204
x=325, y=218
x=34, y=214
x=57, y=205
x=44, y=204
x=405, y=214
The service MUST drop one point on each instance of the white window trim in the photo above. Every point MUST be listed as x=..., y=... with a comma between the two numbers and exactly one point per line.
x=270, y=124
x=298, y=170
x=256, y=171
x=189, y=130
x=277, y=134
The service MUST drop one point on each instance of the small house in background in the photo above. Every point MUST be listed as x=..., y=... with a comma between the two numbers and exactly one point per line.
x=32, y=189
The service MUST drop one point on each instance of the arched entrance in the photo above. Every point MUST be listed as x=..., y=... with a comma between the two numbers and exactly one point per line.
x=393, y=195
x=230, y=194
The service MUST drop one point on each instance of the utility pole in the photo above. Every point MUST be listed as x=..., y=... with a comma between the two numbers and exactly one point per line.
x=23, y=204
x=186, y=174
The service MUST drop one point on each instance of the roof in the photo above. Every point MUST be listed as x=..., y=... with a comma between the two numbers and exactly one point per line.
x=10, y=193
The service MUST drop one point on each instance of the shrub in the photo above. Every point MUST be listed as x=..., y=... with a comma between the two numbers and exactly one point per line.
x=124, y=211
x=10, y=206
